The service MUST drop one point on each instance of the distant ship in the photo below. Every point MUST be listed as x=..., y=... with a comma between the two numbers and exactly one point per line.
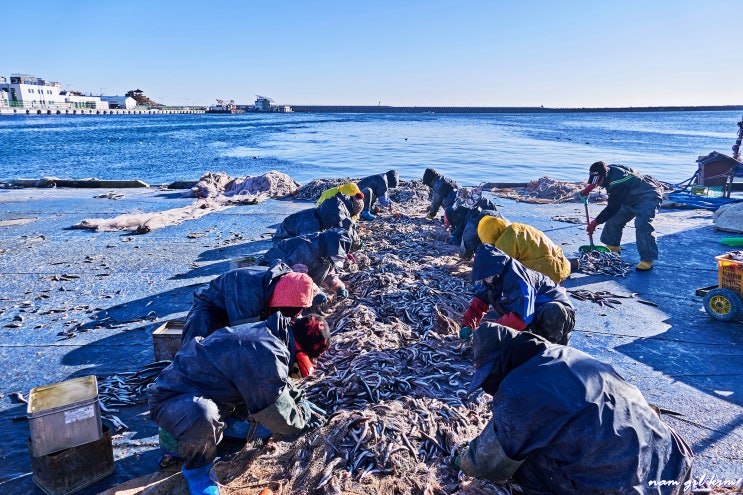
x=224, y=107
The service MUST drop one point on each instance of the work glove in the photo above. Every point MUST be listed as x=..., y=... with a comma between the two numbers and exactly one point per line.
x=465, y=333
x=592, y=227
x=430, y=216
x=314, y=417
x=319, y=299
x=587, y=190
x=342, y=293
x=457, y=461
x=512, y=320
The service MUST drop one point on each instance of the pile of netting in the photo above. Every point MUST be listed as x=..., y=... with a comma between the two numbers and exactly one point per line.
x=544, y=190
x=394, y=382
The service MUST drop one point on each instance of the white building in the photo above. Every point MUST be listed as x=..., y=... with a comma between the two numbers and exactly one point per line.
x=126, y=102
x=27, y=91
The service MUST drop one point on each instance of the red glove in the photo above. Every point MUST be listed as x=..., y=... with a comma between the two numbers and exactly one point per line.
x=305, y=364
x=592, y=227
x=512, y=320
x=474, y=313
x=586, y=190
x=446, y=220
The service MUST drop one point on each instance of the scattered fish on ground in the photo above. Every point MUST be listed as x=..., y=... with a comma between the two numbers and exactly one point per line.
x=596, y=262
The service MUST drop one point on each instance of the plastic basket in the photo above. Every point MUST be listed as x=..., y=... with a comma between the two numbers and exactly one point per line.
x=730, y=273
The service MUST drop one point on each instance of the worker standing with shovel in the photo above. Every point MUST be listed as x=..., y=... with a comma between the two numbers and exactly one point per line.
x=631, y=195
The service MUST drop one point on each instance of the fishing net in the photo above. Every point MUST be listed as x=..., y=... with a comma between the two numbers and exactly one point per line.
x=216, y=191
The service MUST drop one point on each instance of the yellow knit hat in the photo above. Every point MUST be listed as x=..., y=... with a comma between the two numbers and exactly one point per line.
x=349, y=189
x=490, y=228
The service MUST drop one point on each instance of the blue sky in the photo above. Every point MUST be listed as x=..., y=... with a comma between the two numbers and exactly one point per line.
x=560, y=53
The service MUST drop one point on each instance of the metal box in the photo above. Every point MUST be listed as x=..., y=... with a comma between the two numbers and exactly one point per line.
x=69, y=471
x=166, y=339
x=64, y=415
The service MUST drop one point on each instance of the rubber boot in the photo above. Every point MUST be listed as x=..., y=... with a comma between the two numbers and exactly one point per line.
x=199, y=481
x=645, y=265
x=365, y=215
x=614, y=249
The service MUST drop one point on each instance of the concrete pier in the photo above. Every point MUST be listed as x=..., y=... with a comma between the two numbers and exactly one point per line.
x=94, y=111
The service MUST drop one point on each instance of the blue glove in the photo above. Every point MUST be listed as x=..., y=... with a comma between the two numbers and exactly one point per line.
x=465, y=333
x=457, y=461
x=453, y=241
x=313, y=420
x=319, y=299
x=342, y=293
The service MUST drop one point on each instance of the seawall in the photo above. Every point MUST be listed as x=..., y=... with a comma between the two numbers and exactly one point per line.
x=93, y=111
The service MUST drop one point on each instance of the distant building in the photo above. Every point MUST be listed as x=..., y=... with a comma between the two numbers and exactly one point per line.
x=126, y=102
x=27, y=91
x=266, y=104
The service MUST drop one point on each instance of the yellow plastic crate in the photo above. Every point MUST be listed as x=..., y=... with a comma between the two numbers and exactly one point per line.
x=730, y=273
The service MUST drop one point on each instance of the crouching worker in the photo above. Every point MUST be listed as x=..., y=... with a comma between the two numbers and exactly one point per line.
x=248, y=295
x=443, y=191
x=376, y=190
x=241, y=368
x=565, y=423
x=320, y=253
x=528, y=245
x=350, y=190
x=524, y=299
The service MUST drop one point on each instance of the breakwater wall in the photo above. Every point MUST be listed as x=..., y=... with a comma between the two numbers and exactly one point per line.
x=94, y=111
x=390, y=109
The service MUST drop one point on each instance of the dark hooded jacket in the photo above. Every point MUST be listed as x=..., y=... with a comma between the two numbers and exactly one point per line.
x=625, y=186
x=515, y=288
x=233, y=298
x=565, y=423
x=458, y=215
x=443, y=190
x=379, y=185
x=470, y=236
x=246, y=365
x=315, y=251
x=332, y=212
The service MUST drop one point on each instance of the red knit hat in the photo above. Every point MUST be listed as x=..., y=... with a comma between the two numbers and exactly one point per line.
x=312, y=334
x=294, y=290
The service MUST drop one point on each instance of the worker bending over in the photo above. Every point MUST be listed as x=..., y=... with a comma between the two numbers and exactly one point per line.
x=524, y=299
x=565, y=423
x=245, y=369
x=247, y=295
x=527, y=244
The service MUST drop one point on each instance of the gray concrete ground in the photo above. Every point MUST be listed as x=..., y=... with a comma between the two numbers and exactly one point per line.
x=55, y=280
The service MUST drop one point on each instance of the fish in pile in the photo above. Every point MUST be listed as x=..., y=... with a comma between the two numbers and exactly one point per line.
x=596, y=262
x=126, y=389
x=393, y=383
x=603, y=298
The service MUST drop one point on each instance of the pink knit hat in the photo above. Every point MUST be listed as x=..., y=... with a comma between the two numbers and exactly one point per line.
x=295, y=290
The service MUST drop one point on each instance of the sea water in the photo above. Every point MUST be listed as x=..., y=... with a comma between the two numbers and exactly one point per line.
x=470, y=148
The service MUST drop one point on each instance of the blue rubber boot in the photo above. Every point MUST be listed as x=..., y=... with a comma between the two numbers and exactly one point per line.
x=365, y=215
x=199, y=481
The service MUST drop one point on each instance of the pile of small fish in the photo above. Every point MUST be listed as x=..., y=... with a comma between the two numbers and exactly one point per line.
x=393, y=384
x=596, y=262
x=602, y=298
x=126, y=389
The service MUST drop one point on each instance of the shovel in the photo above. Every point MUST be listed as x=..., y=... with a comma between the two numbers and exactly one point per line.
x=592, y=247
